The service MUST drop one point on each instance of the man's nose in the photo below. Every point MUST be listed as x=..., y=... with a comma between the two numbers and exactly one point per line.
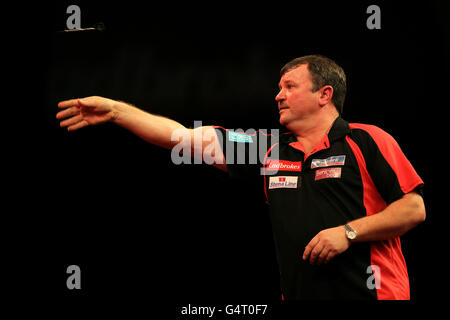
x=280, y=96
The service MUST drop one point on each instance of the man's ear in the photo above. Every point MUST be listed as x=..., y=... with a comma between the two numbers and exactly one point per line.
x=326, y=93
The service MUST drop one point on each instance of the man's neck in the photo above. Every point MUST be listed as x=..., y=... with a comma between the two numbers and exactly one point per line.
x=310, y=131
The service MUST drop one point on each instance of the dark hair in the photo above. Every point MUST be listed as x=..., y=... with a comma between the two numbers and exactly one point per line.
x=324, y=71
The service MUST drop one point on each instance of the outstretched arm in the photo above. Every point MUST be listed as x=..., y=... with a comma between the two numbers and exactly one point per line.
x=158, y=130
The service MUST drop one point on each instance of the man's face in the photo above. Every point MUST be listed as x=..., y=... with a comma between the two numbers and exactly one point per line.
x=295, y=99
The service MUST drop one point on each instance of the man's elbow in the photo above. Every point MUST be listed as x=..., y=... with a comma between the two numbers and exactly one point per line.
x=418, y=214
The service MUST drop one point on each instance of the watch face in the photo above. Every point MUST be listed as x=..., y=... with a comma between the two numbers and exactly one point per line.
x=351, y=235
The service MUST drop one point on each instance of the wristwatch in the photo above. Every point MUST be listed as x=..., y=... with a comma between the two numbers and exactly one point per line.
x=350, y=232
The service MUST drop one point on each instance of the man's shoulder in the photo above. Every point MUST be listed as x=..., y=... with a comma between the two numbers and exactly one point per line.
x=372, y=137
x=370, y=131
x=369, y=128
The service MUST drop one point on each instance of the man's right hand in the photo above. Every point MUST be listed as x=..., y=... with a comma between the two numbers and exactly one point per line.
x=155, y=129
x=80, y=113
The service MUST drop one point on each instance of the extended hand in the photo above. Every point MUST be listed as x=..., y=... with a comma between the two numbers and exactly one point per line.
x=326, y=245
x=85, y=111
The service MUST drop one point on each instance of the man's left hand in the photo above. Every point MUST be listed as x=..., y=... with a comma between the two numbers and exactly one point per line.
x=326, y=245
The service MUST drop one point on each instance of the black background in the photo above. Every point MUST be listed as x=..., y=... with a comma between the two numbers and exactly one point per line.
x=157, y=236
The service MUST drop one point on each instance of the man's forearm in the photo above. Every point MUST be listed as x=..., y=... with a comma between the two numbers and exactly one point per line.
x=395, y=220
x=152, y=128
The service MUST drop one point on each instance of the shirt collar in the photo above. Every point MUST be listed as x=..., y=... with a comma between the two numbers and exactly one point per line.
x=339, y=129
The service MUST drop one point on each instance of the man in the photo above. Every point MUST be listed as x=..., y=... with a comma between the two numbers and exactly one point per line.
x=340, y=194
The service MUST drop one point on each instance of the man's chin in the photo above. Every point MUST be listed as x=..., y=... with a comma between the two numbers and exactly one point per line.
x=283, y=121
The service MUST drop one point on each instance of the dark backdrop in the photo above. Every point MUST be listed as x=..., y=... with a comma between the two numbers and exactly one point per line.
x=144, y=229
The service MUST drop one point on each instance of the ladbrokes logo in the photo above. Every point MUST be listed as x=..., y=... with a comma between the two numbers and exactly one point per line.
x=284, y=165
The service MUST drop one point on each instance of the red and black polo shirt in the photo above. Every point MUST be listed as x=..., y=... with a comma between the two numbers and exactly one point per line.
x=355, y=171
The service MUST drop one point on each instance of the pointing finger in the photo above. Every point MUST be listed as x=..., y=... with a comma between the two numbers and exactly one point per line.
x=68, y=103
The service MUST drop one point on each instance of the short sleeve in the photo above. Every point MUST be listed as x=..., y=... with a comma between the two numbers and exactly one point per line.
x=244, y=151
x=389, y=168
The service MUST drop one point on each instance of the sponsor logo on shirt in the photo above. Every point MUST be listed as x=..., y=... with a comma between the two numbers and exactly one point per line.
x=331, y=161
x=239, y=137
x=328, y=173
x=283, y=182
x=283, y=165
